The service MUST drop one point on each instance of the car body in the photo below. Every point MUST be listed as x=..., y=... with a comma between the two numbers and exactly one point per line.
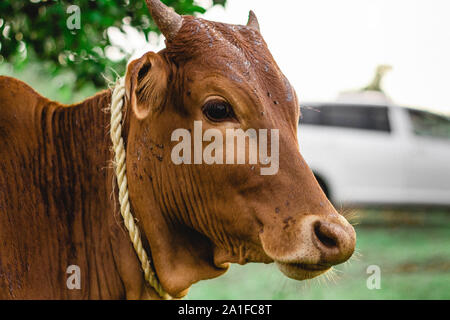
x=377, y=153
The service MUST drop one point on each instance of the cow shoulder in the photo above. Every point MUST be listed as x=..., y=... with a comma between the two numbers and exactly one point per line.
x=20, y=106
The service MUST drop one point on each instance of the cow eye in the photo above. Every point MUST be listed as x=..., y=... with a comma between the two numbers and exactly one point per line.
x=218, y=111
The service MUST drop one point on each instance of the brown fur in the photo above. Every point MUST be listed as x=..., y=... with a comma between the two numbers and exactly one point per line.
x=57, y=202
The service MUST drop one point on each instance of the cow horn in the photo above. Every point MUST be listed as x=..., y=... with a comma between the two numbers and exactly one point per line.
x=253, y=21
x=167, y=20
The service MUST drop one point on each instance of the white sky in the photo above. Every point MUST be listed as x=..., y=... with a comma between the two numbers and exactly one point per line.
x=328, y=46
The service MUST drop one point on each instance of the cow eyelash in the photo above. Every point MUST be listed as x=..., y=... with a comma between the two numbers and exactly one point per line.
x=218, y=111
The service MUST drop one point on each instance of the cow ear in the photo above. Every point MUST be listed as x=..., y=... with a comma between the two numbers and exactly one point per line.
x=146, y=84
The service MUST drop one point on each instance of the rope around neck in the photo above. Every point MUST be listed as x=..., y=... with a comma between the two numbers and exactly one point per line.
x=120, y=170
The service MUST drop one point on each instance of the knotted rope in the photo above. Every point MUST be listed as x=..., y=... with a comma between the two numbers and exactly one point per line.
x=120, y=170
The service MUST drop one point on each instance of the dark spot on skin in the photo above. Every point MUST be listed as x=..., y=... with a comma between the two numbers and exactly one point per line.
x=277, y=210
x=287, y=222
x=160, y=158
x=161, y=146
x=188, y=93
x=141, y=177
x=276, y=102
x=269, y=94
x=148, y=175
x=287, y=203
x=263, y=113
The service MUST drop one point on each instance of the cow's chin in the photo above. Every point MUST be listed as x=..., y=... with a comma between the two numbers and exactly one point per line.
x=298, y=271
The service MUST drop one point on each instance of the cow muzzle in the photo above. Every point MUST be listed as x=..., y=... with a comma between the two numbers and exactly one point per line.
x=313, y=246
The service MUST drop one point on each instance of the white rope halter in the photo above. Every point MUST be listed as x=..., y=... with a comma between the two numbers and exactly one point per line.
x=120, y=170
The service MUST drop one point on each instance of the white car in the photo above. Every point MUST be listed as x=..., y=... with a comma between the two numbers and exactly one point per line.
x=377, y=154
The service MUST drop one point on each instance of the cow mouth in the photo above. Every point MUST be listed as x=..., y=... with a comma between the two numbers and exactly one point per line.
x=302, y=271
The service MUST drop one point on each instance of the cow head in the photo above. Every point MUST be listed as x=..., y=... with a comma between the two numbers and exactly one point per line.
x=200, y=217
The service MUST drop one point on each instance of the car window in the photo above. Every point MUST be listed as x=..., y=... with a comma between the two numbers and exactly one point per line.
x=430, y=124
x=347, y=116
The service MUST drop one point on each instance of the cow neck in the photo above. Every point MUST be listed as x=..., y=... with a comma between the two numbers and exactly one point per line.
x=73, y=153
x=87, y=125
x=116, y=133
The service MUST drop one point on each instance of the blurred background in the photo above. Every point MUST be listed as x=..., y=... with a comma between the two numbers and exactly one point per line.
x=373, y=79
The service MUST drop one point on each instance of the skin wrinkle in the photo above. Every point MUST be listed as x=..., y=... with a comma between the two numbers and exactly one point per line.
x=85, y=222
x=210, y=227
x=191, y=218
x=165, y=208
x=196, y=212
x=173, y=206
x=174, y=197
x=223, y=237
x=55, y=175
x=43, y=180
x=185, y=202
x=200, y=206
x=218, y=232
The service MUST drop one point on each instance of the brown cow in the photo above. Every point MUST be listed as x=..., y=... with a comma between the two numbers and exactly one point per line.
x=58, y=200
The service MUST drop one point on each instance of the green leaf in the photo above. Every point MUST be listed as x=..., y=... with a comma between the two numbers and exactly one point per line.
x=42, y=27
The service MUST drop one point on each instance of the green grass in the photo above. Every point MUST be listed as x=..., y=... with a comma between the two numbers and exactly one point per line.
x=412, y=250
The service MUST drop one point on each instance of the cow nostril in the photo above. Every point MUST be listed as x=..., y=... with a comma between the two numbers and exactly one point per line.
x=324, y=236
x=333, y=240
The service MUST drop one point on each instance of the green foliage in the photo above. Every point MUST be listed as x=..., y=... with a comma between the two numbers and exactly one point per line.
x=38, y=29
